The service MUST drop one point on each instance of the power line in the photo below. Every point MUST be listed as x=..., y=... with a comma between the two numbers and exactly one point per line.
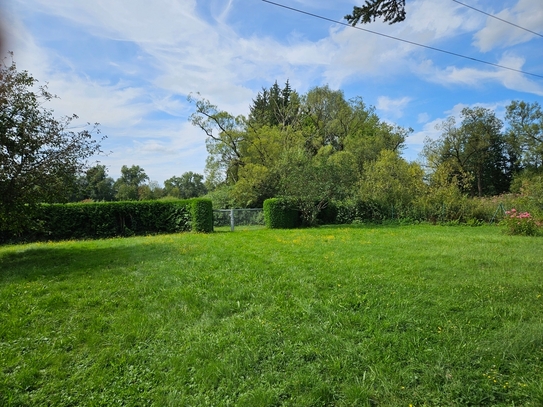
x=498, y=18
x=402, y=40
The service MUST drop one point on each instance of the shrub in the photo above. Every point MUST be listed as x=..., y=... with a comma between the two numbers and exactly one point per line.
x=278, y=214
x=356, y=211
x=111, y=219
x=520, y=223
x=202, y=215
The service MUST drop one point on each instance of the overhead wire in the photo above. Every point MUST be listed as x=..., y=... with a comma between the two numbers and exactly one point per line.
x=498, y=18
x=403, y=40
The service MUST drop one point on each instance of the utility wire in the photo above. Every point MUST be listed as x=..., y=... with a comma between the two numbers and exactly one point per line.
x=498, y=18
x=402, y=40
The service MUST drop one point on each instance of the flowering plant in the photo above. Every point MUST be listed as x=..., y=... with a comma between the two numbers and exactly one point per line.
x=520, y=223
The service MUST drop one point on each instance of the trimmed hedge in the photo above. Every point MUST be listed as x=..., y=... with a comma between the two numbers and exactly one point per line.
x=202, y=215
x=278, y=214
x=111, y=219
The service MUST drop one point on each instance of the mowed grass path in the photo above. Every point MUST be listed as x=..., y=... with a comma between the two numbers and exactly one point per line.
x=384, y=316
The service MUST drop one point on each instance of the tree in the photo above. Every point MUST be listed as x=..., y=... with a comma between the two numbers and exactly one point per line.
x=327, y=118
x=188, y=185
x=475, y=152
x=485, y=150
x=150, y=191
x=275, y=107
x=129, y=182
x=39, y=156
x=309, y=182
x=393, y=11
x=249, y=154
x=525, y=133
x=392, y=183
x=225, y=133
x=97, y=185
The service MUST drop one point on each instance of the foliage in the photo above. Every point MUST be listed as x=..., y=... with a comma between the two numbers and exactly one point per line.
x=202, y=215
x=337, y=316
x=251, y=154
x=188, y=185
x=225, y=133
x=355, y=211
x=221, y=197
x=393, y=11
x=392, y=182
x=39, y=156
x=525, y=133
x=97, y=185
x=521, y=223
x=529, y=187
x=132, y=178
x=318, y=131
x=275, y=107
x=317, y=148
x=475, y=153
x=311, y=182
x=278, y=214
x=150, y=191
x=110, y=219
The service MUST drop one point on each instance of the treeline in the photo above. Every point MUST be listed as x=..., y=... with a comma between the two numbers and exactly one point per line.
x=95, y=185
x=318, y=148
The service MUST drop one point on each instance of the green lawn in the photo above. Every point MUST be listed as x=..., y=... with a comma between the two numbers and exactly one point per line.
x=362, y=316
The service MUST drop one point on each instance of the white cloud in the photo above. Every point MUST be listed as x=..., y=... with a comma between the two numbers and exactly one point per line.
x=179, y=47
x=423, y=117
x=476, y=77
x=526, y=13
x=433, y=20
x=392, y=107
x=163, y=150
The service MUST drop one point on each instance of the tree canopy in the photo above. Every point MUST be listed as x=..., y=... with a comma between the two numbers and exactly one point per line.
x=39, y=156
x=319, y=137
x=132, y=178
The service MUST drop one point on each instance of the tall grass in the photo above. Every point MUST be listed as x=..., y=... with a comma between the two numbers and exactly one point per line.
x=346, y=316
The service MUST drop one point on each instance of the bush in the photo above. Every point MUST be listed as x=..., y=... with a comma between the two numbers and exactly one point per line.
x=356, y=211
x=520, y=223
x=202, y=215
x=328, y=214
x=111, y=219
x=278, y=214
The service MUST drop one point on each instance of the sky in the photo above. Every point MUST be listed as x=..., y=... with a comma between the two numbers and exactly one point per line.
x=130, y=64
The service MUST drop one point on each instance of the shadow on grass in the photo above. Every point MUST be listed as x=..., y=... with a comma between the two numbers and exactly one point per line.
x=34, y=263
x=371, y=225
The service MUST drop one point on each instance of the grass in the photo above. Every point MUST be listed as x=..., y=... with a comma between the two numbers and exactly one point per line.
x=335, y=316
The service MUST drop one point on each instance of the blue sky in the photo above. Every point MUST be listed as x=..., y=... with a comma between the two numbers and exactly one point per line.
x=130, y=65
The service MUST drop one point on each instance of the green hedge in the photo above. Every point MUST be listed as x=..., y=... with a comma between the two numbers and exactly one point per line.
x=202, y=215
x=111, y=219
x=279, y=215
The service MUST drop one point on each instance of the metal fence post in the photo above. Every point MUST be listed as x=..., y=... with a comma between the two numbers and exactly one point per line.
x=231, y=219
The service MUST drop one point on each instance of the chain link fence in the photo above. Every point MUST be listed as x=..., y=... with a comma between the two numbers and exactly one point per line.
x=238, y=217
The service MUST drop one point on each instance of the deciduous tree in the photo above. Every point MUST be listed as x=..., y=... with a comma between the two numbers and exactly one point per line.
x=129, y=182
x=188, y=185
x=97, y=185
x=525, y=133
x=39, y=154
x=476, y=150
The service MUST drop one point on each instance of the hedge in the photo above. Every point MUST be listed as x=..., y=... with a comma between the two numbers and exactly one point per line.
x=202, y=215
x=111, y=219
x=279, y=215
